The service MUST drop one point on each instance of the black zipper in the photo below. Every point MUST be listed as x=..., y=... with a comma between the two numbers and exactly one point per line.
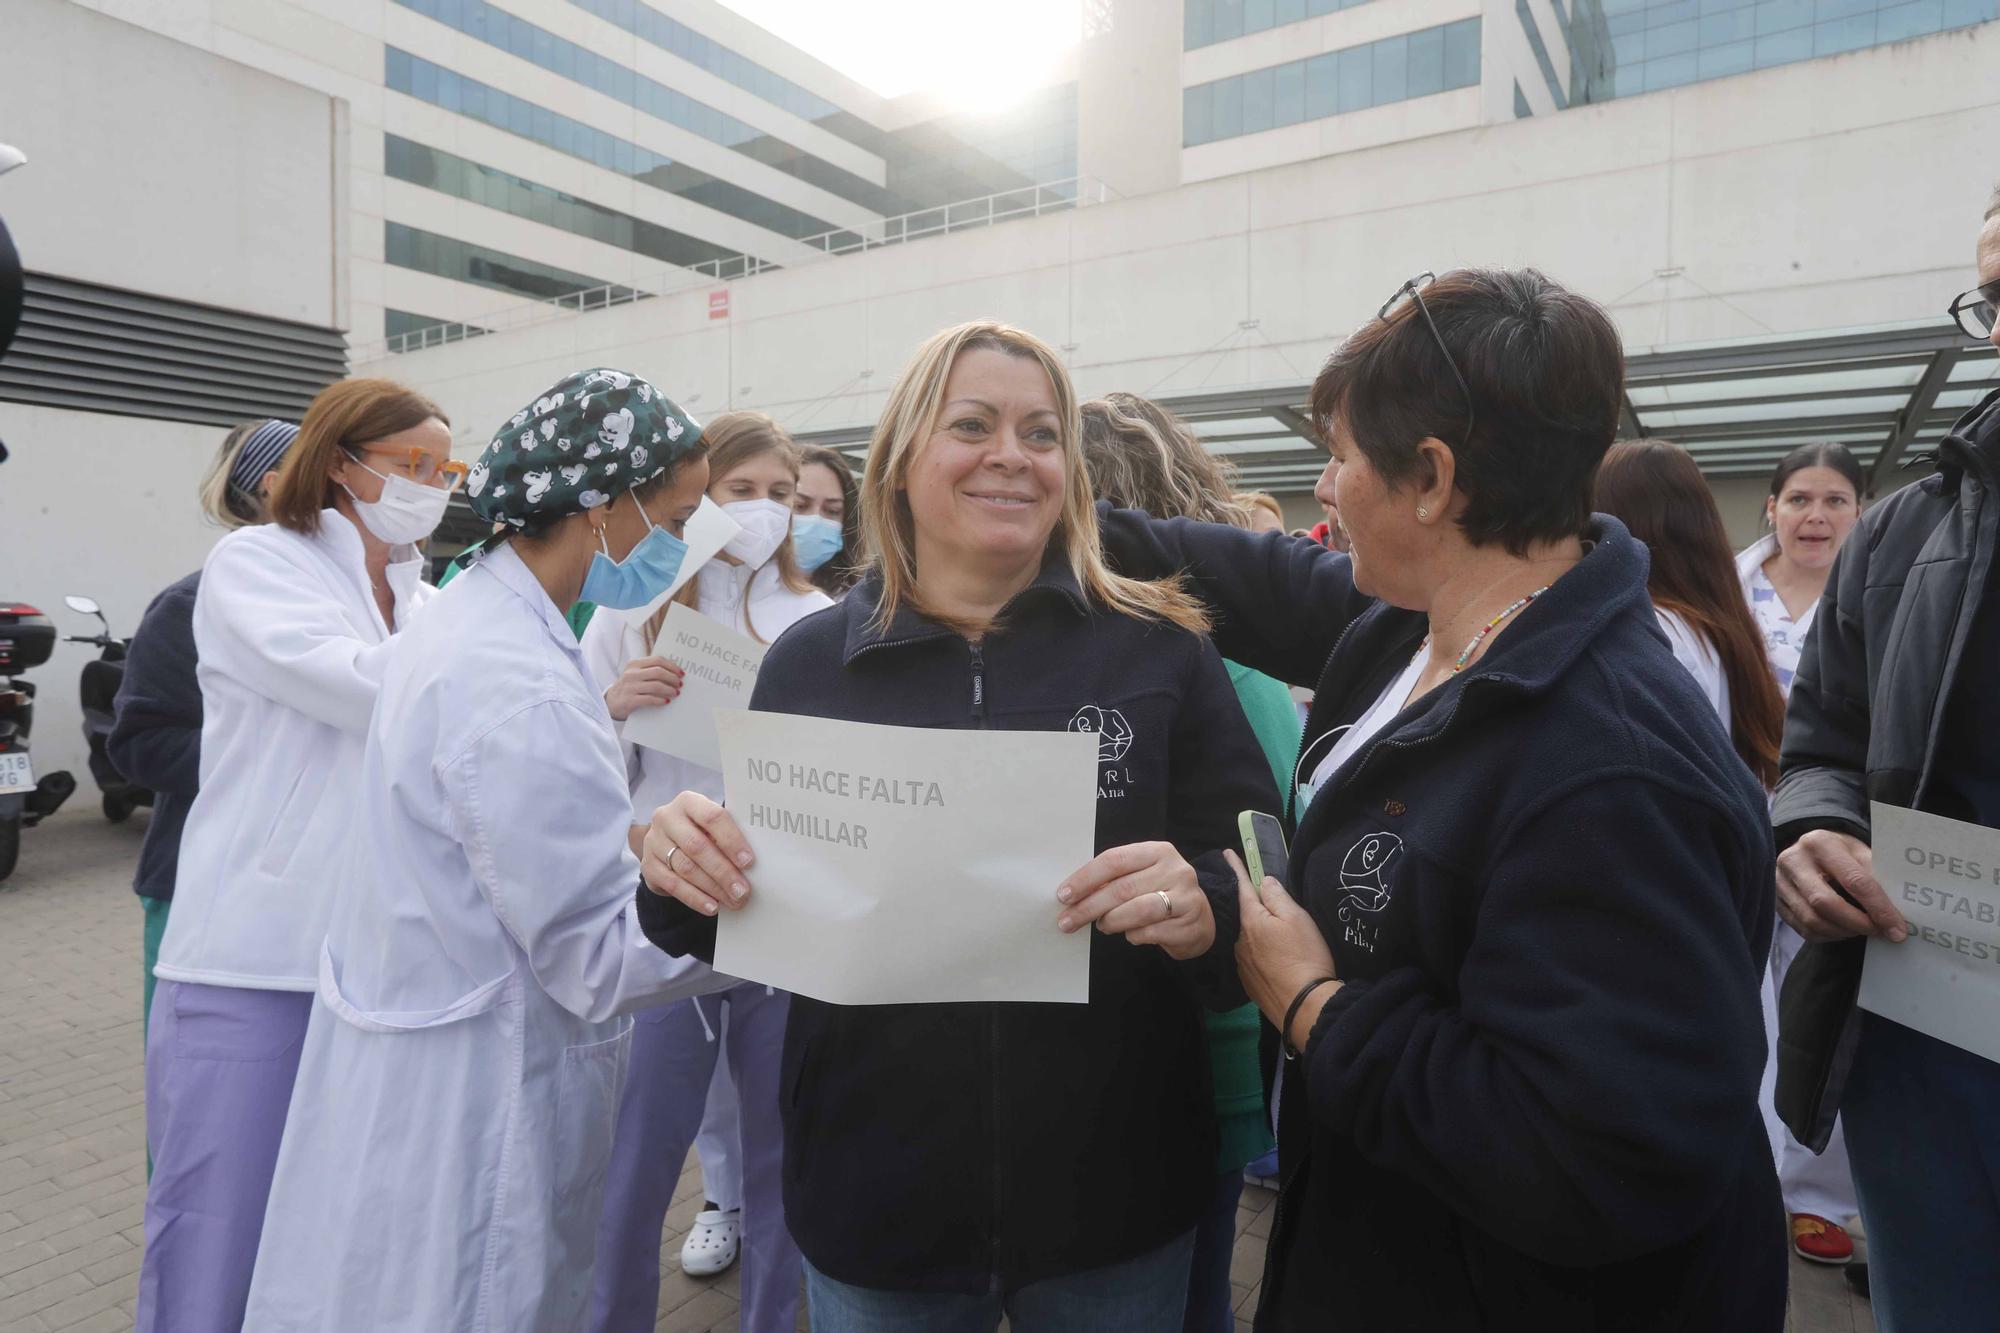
x=980, y=719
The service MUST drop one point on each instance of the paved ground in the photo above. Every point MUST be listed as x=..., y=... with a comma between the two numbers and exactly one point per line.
x=72, y=1111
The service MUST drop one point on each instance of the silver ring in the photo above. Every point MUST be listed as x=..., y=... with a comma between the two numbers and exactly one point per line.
x=672, y=851
x=1165, y=902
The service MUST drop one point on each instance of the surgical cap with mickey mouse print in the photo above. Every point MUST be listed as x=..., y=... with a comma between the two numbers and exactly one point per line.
x=589, y=437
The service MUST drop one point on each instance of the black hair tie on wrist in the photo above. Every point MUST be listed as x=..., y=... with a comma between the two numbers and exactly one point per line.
x=1285, y=1032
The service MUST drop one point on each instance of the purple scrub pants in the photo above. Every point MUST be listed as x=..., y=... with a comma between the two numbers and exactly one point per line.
x=674, y=1049
x=220, y=1061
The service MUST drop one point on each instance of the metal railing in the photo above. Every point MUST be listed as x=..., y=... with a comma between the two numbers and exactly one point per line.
x=1029, y=201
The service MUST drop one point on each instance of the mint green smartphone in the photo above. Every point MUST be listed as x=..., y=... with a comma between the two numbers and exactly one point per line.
x=1263, y=847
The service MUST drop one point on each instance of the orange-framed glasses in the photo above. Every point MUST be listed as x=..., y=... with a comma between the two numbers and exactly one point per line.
x=420, y=465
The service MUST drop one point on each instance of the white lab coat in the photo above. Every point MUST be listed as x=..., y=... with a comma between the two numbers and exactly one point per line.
x=450, y=1128
x=1693, y=651
x=292, y=648
x=729, y=595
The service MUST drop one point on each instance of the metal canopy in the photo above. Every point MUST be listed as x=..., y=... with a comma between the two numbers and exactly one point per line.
x=1737, y=406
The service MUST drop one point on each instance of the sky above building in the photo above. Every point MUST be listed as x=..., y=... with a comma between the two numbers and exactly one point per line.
x=973, y=53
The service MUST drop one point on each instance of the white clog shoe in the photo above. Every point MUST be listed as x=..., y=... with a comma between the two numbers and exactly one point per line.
x=711, y=1243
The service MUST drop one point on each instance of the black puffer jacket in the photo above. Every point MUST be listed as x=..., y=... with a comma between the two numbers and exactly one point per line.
x=1866, y=717
x=950, y=1147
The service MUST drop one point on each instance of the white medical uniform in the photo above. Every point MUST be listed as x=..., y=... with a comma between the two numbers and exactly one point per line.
x=445, y=1156
x=1817, y=1183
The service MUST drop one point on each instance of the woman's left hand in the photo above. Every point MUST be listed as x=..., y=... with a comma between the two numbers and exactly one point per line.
x=1145, y=891
x=1279, y=950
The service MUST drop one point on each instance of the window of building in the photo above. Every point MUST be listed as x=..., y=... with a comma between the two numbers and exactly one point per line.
x=1206, y=22
x=408, y=329
x=1547, y=66
x=1394, y=69
x=405, y=73
x=650, y=25
x=1619, y=48
x=462, y=261
x=581, y=65
x=435, y=169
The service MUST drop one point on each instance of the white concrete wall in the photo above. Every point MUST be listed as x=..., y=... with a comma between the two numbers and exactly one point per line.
x=1808, y=198
x=233, y=199
x=184, y=205
x=99, y=505
x=1128, y=116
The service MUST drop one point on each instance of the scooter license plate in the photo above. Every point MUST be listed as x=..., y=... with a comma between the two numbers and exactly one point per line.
x=17, y=773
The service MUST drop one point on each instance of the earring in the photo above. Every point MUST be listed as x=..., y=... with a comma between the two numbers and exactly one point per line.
x=1423, y=512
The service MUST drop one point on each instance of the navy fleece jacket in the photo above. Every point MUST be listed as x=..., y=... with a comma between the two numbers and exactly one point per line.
x=1547, y=886
x=155, y=737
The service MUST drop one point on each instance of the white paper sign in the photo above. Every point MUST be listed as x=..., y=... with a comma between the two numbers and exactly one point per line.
x=900, y=865
x=1944, y=877
x=707, y=531
x=721, y=667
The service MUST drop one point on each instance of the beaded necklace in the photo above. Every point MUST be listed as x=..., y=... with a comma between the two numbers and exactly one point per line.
x=1488, y=628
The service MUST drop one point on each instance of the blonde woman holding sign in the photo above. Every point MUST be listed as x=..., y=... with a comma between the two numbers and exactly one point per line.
x=946, y=1164
x=755, y=588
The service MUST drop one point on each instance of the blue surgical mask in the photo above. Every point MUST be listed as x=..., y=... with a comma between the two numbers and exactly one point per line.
x=648, y=570
x=816, y=539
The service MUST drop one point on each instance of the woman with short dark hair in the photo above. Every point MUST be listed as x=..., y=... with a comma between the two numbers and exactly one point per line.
x=1515, y=964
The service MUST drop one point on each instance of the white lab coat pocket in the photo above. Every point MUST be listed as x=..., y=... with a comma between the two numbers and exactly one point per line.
x=591, y=1080
x=293, y=818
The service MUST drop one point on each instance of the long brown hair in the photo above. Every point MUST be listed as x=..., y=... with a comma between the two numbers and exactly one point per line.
x=1142, y=456
x=839, y=574
x=345, y=416
x=733, y=439
x=1656, y=490
x=888, y=532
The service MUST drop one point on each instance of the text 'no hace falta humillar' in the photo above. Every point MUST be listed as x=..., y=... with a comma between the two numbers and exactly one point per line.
x=854, y=786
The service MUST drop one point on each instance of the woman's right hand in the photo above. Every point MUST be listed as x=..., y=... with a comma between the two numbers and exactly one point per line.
x=1827, y=890
x=646, y=682
x=695, y=853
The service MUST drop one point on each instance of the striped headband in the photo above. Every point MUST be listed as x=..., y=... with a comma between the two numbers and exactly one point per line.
x=263, y=450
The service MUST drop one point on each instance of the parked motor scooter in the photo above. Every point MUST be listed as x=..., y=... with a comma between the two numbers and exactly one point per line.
x=99, y=688
x=27, y=637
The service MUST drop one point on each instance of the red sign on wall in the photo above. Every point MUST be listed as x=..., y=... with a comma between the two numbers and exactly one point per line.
x=718, y=303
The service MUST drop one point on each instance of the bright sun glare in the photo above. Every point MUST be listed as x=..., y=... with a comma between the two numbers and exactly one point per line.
x=976, y=54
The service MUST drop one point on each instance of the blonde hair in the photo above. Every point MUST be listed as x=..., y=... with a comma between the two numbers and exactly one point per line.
x=909, y=419
x=227, y=505
x=1263, y=500
x=1141, y=456
x=733, y=439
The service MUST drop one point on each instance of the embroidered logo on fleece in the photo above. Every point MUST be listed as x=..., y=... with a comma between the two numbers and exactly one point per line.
x=1114, y=741
x=1114, y=733
x=1364, y=886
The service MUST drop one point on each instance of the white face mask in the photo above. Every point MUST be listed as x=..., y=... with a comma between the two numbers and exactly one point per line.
x=765, y=524
x=407, y=512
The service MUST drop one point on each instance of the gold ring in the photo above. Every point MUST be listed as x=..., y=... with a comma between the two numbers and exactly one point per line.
x=1165, y=902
